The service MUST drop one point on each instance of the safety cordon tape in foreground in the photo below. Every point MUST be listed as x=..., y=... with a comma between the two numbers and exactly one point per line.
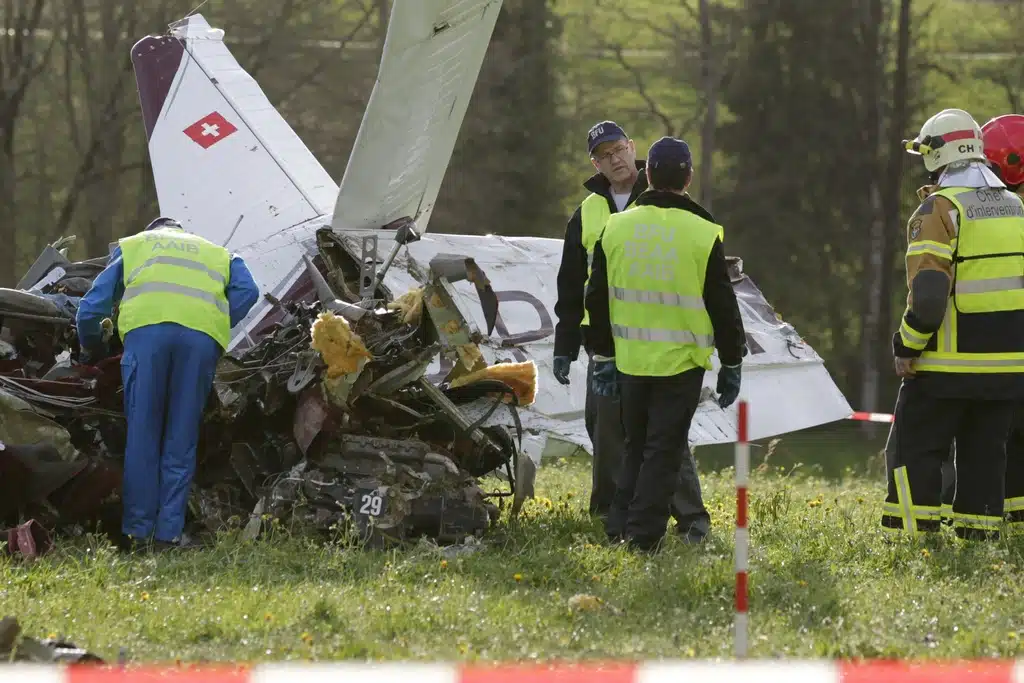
x=649, y=672
x=871, y=417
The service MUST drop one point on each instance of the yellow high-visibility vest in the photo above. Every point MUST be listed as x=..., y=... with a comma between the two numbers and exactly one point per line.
x=983, y=330
x=173, y=276
x=594, y=213
x=657, y=259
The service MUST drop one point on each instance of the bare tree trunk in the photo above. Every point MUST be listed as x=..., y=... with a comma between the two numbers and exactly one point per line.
x=22, y=58
x=382, y=23
x=871, y=329
x=894, y=171
x=876, y=261
x=710, y=78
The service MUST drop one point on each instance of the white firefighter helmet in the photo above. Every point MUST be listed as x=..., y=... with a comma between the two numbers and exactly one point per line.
x=949, y=136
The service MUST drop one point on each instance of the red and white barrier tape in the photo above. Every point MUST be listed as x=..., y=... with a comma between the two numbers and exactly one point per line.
x=871, y=417
x=750, y=671
x=742, y=535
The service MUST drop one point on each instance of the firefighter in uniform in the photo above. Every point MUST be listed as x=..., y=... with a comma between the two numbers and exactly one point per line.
x=619, y=180
x=660, y=301
x=179, y=297
x=1003, y=137
x=960, y=344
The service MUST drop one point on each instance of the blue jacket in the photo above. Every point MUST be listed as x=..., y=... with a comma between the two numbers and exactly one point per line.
x=108, y=288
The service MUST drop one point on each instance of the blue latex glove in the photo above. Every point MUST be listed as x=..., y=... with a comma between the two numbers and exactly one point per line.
x=728, y=385
x=560, y=368
x=605, y=381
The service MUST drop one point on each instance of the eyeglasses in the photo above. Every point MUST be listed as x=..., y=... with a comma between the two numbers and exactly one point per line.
x=619, y=151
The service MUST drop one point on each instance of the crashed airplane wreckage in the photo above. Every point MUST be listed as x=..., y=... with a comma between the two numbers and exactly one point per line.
x=328, y=420
x=387, y=410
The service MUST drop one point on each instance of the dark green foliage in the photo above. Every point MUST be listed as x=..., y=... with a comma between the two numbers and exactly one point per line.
x=504, y=167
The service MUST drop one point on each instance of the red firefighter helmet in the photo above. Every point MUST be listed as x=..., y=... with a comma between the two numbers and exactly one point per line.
x=1004, y=146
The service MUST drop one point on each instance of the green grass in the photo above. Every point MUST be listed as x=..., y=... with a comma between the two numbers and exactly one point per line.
x=825, y=581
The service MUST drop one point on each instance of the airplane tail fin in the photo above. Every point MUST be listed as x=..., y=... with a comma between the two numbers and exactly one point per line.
x=432, y=56
x=226, y=163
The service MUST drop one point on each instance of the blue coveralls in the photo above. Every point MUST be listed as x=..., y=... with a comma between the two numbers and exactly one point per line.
x=167, y=371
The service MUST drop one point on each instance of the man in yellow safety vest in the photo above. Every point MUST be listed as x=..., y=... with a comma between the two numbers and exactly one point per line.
x=660, y=302
x=618, y=181
x=179, y=295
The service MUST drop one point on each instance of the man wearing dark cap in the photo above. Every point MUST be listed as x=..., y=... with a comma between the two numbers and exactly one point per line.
x=660, y=302
x=616, y=184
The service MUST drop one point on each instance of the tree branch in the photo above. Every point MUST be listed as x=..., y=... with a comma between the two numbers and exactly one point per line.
x=325, y=58
x=641, y=90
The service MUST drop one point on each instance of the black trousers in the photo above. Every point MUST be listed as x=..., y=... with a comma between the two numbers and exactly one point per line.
x=656, y=417
x=923, y=433
x=603, y=418
x=1013, y=501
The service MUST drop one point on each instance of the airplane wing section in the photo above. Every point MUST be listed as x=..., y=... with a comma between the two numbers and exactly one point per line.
x=432, y=57
x=231, y=169
x=226, y=164
x=784, y=379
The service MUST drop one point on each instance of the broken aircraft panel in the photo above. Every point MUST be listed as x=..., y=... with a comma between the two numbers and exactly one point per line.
x=407, y=138
x=325, y=421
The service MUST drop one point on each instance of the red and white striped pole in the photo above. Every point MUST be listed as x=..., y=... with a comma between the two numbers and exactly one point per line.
x=742, y=535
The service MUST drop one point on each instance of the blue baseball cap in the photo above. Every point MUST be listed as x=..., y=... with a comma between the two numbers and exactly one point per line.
x=606, y=131
x=163, y=222
x=669, y=153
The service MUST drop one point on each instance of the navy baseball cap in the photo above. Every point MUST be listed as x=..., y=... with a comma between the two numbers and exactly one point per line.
x=606, y=131
x=163, y=222
x=669, y=153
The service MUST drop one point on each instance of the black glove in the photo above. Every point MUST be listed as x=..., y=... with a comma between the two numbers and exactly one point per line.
x=728, y=385
x=560, y=368
x=605, y=381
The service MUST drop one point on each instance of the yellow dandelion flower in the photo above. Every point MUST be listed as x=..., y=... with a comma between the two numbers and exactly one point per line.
x=925, y=553
x=517, y=577
x=144, y=597
x=268, y=617
x=444, y=564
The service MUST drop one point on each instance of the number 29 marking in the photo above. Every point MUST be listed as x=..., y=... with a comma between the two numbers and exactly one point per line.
x=371, y=504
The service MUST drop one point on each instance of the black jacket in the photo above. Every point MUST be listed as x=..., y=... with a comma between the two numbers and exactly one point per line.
x=572, y=273
x=719, y=296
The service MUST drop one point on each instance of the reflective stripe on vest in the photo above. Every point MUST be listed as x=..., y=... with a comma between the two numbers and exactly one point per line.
x=657, y=259
x=174, y=276
x=176, y=261
x=594, y=213
x=171, y=288
x=988, y=274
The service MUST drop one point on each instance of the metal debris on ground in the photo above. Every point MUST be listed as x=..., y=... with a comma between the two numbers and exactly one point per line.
x=14, y=646
x=326, y=422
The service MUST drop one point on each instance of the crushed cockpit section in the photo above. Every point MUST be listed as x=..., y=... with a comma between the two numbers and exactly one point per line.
x=328, y=421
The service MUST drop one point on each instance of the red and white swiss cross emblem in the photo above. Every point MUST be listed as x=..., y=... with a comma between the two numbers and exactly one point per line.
x=210, y=130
